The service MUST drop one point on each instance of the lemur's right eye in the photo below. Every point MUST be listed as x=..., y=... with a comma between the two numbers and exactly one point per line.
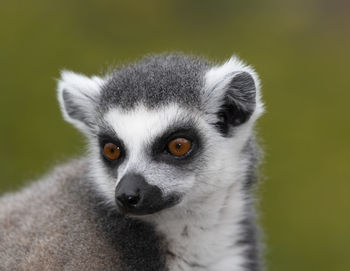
x=111, y=151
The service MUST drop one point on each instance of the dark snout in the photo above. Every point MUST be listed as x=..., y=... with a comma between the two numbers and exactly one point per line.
x=135, y=196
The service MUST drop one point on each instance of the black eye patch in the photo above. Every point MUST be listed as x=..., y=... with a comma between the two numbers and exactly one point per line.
x=160, y=151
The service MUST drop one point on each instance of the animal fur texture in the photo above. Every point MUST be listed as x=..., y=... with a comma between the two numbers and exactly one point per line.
x=148, y=209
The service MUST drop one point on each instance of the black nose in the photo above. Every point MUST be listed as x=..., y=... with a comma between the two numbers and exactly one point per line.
x=128, y=191
x=128, y=200
x=135, y=196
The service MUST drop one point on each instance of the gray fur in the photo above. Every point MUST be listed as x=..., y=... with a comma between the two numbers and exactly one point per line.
x=60, y=223
x=251, y=232
x=156, y=80
x=75, y=111
x=65, y=222
x=242, y=91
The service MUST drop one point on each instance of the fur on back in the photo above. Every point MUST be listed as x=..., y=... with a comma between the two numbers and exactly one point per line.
x=60, y=223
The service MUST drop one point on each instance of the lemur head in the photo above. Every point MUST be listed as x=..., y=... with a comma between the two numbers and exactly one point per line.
x=168, y=130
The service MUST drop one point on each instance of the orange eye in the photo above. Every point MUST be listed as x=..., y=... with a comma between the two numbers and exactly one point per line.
x=111, y=151
x=179, y=146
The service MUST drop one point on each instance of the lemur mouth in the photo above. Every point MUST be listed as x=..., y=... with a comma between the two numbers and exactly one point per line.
x=134, y=195
x=145, y=207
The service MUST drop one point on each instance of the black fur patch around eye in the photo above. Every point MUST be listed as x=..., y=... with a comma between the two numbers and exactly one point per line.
x=159, y=147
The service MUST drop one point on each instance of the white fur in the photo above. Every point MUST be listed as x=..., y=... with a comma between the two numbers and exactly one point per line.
x=83, y=89
x=217, y=79
x=212, y=224
x=212, y=221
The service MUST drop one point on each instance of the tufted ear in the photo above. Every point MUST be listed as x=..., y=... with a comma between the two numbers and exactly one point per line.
x=78, y=96
x=232, y=95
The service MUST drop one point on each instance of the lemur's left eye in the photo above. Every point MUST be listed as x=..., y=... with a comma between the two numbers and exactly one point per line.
x=179, y=146
x=111, y=151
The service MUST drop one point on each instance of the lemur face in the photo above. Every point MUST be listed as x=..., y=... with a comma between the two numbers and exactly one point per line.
x=166, y=131
x=159, y=153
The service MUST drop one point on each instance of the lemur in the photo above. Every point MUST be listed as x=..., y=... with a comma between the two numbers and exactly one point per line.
x=166, y=184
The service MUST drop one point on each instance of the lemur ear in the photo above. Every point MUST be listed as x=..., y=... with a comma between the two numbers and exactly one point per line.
x=232, y=95
x=78, y=96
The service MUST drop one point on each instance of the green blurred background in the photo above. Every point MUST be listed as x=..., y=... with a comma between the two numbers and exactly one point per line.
x=301, y=49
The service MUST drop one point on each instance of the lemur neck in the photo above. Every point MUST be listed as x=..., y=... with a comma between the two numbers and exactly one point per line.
x=206, y=235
